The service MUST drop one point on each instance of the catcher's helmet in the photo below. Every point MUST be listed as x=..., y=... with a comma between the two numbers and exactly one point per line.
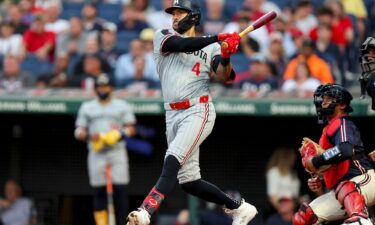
x=335, y=91
x=193, y=17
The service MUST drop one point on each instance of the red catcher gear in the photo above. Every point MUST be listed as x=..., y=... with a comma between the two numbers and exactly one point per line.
x=304, y=216
x=337, y=170
x=354, y=203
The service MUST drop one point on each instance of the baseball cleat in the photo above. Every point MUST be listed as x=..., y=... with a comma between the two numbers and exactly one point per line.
x=138, y=217
x=243, y=215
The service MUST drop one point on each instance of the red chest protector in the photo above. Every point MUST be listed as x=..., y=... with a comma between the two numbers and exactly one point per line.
x=333, y=175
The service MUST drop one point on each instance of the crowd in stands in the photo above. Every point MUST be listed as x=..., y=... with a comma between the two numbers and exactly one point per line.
x=67, y=43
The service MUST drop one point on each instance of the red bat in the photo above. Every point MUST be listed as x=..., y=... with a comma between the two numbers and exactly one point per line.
x=266, y=18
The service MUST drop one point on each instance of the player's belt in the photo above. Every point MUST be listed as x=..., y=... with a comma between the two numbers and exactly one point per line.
x=186, y=103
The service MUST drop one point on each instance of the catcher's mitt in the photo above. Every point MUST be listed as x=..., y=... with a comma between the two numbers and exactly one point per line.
x=308, y=150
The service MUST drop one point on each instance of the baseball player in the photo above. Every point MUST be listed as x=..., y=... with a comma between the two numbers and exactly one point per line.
x=102, y=123
x=184, y=63
x=346, y=170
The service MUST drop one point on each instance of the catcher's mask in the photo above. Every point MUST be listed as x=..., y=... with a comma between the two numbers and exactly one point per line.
x=367, y=62
x=193, y=17
x=339, y=95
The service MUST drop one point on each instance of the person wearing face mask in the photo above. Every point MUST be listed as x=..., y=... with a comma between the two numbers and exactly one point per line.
x=105, y=123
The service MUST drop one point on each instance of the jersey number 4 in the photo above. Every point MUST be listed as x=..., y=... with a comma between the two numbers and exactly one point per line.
x=196, y=68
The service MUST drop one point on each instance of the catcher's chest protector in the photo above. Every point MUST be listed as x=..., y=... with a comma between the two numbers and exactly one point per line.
x=327, y=140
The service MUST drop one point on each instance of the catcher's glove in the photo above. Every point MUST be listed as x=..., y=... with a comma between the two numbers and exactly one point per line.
x=308, y=150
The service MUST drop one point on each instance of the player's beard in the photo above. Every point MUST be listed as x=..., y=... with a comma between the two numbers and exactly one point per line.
x=103, y=95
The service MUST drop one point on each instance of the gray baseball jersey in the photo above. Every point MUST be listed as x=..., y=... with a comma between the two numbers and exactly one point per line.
x=183, y=75
x=186, y=76
x=98, y=118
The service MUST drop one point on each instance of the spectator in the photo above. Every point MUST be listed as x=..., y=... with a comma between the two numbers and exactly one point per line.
x=60, y=74
x=125, y=69
x=39, y=41
x=285, y=209
x=54, y=22
x=261, y=80
x=342, y=24
x=303, y=85
x=276, y=54
x=10, y=43
x=160, y=19
x=104, y=123
x=15, y=17
x=92, y=67
x=11, y=77
x=319, y=68
x=304, y=19
x=298, y=40
x=147, y=37
x=357, y=9
x=29, y=10
x=139, y=80
x=280, y=25
x=15, y=209
x=91, y=23
x=214, y=20
x=72, y=42
x=130, y=20
x=282, y=180
x=108, y=44
x=330, y=52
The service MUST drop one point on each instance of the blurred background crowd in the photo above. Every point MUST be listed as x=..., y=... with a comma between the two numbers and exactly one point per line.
x=67, y=43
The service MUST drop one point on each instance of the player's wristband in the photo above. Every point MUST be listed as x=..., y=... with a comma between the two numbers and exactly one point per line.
x=225, y=61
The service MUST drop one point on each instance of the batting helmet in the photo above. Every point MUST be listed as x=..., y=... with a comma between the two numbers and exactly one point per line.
x=335, y=91
x=193, y=17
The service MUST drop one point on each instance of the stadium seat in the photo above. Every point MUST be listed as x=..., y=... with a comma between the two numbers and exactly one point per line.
x=71, y=9
x=109, y=12
x=240, y=62
x=124, y=38
x=35, y=66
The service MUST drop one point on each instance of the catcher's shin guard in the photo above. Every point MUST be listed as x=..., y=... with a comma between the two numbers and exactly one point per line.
x=101, y=217
x=354, y=203
x=304, y=216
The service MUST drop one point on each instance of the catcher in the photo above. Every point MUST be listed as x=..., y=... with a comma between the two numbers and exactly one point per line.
x=340, y=160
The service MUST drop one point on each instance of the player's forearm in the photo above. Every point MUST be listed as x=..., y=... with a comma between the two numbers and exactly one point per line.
x=225, y=73
x=187, y=44
x=337, y=154
x=223, y=69
x=80, y=133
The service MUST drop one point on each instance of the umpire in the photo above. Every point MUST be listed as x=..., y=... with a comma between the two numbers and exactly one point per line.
x=104, y=123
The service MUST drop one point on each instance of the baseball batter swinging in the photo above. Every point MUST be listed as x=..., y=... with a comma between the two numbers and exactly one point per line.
x=184, y=63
